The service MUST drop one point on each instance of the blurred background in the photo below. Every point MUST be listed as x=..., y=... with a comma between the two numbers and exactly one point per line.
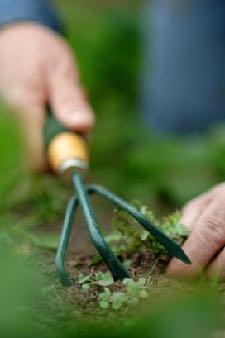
x=112, y=44
x=109, y=42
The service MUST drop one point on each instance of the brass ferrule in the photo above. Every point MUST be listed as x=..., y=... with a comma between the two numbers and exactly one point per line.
x=67, y=151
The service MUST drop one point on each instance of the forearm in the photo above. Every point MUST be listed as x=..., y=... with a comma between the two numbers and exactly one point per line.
x=39, y=11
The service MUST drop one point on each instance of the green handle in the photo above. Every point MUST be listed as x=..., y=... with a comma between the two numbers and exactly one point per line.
x=65, y=149
x=51, y=128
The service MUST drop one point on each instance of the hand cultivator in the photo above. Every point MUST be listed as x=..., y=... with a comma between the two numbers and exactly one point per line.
x=67, y=153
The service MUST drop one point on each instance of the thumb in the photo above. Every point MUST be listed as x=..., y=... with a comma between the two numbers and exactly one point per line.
x=69, y=104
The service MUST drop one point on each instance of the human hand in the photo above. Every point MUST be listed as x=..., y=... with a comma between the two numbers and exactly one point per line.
x=205, y=217
x=36, y=68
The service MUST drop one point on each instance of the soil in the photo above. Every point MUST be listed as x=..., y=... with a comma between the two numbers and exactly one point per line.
x=143, y=264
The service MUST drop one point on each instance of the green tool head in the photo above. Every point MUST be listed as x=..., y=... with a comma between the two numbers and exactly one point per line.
x=114, y=265
x=68, y=150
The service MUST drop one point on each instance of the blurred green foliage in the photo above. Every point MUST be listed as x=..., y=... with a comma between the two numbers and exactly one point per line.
x=20, y=291
x=11, y=159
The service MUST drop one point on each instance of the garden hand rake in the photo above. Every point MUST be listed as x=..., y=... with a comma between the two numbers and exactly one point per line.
x=67, y=153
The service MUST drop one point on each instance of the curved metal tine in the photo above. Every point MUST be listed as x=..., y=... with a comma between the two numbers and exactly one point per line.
x=114, y=265
x=173, y=248
x=64, y=240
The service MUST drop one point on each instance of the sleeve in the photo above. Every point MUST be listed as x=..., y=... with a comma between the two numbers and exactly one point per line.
x=40, y=11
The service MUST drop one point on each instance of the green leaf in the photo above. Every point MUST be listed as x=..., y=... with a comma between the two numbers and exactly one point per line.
x=127, y=281
x=107, y=291
x=133, y=289
x=114, y=237
x=105, y=280
x=104, y=305
x=85, y=286
x=98, y=276
x=119, y=296
x=83, y=279
x=116, y=305
x=143, y=210
x=143, y=294
x=144, y=235
x=118, y=299
x=142, y=281
x=105, y=296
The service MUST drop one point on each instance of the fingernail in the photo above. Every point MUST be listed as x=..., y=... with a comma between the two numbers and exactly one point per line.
x=79, y=118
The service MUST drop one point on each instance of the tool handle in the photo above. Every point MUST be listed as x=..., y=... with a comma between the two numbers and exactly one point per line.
x=65, y=148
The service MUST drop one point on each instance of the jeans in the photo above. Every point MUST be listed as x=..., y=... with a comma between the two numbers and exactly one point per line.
x=183, y=82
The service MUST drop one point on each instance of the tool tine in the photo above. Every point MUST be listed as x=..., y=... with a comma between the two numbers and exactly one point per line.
x=114, y=265
x=64, y=240
x=173, y=248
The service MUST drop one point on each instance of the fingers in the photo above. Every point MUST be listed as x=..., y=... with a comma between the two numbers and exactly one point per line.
x=45, y=73
x=193, y=210
x=67, y=98
x=205, y=241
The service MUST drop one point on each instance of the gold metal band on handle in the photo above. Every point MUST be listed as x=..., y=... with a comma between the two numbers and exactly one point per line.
x=65, y=147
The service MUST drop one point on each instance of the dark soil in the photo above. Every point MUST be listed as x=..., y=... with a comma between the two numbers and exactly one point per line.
x=143, y=264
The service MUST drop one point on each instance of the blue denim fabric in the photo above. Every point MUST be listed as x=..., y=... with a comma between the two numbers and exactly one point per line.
x=39, y=11
x=184, y=73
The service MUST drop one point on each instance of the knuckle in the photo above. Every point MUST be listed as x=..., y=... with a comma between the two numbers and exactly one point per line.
x=213, y=227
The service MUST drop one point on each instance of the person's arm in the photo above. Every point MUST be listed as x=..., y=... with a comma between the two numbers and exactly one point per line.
x=39, y=11
x=37, y=69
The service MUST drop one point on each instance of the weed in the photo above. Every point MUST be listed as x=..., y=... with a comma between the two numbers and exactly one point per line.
x=131, y=293
x=114, y=295
x=129, y=237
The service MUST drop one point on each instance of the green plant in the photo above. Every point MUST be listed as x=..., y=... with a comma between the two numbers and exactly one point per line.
x=131, y=237
x=136, y=290
x=82, y=280
x=130, y=293
x=103, y=279
x=95, y=279
x=104, y=298
x=114, y=295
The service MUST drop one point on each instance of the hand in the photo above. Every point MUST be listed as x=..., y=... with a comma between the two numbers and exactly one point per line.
x=37, y=67
x=205, y=217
